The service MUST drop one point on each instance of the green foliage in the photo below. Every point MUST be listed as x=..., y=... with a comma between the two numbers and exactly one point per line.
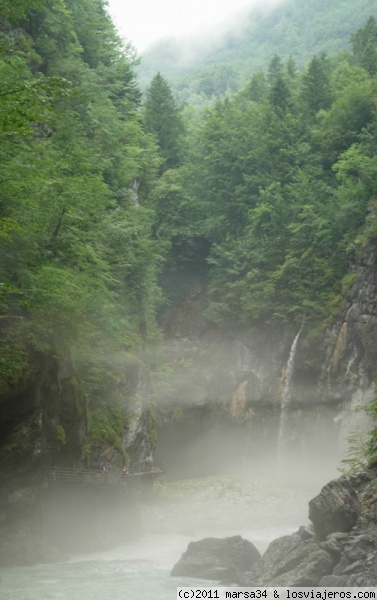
x=280, y=95
x=73, y=241
x=348, y=281
x=371, y=410
x=86, y=454
x=17, y=9
x=364, y=43
x=275, y=70
x=277, y=192
x=357, y=457
x=177, y=415
x=107, y=426
x=78, y=264
x=60, y=434
x=316, y=90
x=15, y=368
x=152, y=436
x=257, y=89
x=352, y=111
x=103, y=394
x=362, y=445
x=163, y=120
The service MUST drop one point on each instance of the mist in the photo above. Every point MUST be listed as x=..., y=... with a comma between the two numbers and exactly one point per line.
x=199, y=24
x=219, y=413
x=218, y=410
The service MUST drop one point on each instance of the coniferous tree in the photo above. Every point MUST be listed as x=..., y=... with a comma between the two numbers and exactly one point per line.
x=364, y=44
x=163, y=120
x=275, y=69
x=291, y=67
x=316, y=90
x=257, y=89
x=280, y=94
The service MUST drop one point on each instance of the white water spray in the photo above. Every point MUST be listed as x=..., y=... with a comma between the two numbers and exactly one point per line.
x=286, y=396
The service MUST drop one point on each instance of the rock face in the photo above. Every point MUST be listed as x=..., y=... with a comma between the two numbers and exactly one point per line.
x=292, y=561
x=224, y=402
x=218, y=559
x=338, y=549
x=39, y=522
x=351, y=345
x=226, y=386
x=336, y=508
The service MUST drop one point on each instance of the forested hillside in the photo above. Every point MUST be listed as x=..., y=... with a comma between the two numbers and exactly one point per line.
x=78, y=264
x=278, y=189
x=202, y=69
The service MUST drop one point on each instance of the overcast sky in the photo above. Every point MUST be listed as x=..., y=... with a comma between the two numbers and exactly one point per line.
x=145, y=21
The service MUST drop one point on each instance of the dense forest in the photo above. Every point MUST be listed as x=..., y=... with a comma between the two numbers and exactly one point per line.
x=78, y=262
x=277, y=189
x=111, y=209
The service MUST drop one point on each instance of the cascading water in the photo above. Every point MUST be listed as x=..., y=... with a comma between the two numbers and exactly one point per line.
x=134, y=190
x=286, y=397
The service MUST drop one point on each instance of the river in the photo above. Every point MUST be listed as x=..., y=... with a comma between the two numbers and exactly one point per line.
x=179, y=512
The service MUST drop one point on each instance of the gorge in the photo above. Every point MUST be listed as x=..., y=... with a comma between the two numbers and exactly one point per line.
x=187, y=298
x=227, y=423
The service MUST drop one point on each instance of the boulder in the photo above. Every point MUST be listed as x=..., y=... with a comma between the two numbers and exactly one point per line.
x=336, y=508
x=306, y=532
x=357, y=564
x=292, y=561
x=334, y=543
x=218, y=559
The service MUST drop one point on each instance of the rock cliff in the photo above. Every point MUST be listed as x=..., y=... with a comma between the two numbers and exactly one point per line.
x=341, y=547
x=224, y=394
x=44, y=423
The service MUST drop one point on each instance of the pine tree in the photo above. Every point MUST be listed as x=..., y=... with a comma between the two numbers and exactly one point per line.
x=257, y=88
x=280, y=95
x=364, y=43
x=275, y=69
x=291, y=67
x=163, y=120
x=316, y=91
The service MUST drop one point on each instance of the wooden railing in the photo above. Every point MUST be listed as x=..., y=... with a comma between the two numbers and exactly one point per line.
x=100, y=477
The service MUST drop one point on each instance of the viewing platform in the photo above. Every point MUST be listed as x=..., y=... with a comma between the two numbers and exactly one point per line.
x=134, y=481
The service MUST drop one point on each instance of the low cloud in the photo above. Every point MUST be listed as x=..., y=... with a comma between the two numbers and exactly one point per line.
x=149, y=22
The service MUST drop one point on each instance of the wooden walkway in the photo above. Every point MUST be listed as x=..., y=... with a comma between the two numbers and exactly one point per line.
x=134, y=481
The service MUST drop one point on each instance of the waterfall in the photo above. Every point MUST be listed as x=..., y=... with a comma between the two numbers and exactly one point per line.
x=134, y=190
x=286, y=396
